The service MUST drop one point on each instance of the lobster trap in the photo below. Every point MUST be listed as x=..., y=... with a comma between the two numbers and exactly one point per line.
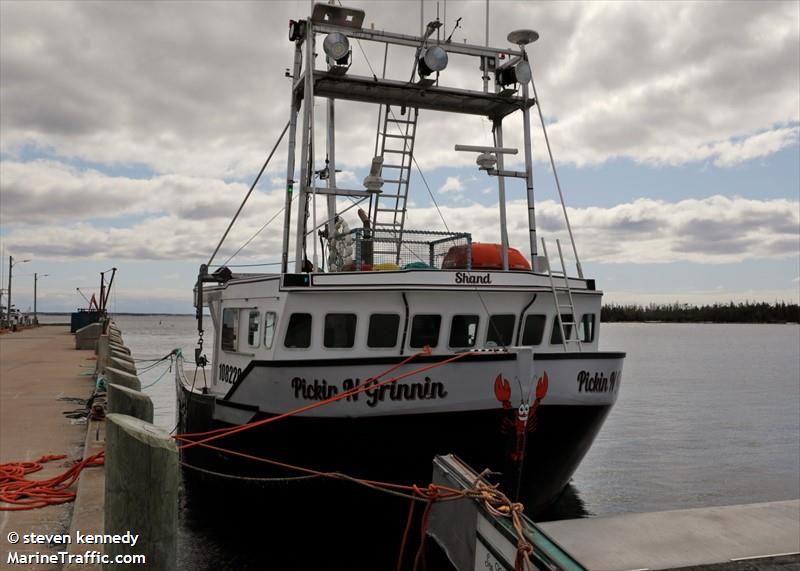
x=381, y=249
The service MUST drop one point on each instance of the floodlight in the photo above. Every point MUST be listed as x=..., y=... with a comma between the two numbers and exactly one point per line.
x=432, y=59
x=517, y=73
x=337, y=47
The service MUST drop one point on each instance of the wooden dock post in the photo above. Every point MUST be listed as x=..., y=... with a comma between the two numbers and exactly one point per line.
x=141, y=493
x=102, y=351
x=120, y=377
x=86, y=337
x=123, y=400
x=122, y=365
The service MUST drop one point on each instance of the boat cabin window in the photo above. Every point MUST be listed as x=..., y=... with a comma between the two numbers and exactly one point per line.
x=230, y=327
x=253, y=325
x=298, y=333
x=425, y=330
x=586, y=328
x=269, y=329
x=463, y=330
x=340, y=330
x=533, y=331
x=383, y=330
x=555, y=337
x=501, y=330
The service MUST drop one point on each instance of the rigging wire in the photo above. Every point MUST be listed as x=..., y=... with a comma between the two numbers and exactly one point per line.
x=242, y=247
x=249, y=192
x=555, y=175
x=248, y=265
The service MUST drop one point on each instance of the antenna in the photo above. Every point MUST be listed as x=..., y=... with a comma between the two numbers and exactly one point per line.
x=373, y=182
x=522, y=37
x=457, y=26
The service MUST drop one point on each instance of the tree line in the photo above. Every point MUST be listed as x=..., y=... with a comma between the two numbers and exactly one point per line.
x=747, y=312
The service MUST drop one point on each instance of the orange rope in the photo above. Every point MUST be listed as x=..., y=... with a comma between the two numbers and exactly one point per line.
x=25, y=494
x=222, y=432
x=493, y=499
x=225, y=430
x=409, y=520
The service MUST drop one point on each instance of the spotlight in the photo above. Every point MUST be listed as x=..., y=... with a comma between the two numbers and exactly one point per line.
x=297, y=30
x=337, y=47
x=518, y=73
x=432, y=59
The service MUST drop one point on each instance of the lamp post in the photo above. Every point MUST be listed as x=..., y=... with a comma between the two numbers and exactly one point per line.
x=11, y=265
x=35, y=280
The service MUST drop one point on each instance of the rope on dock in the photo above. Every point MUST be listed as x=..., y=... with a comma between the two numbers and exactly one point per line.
x=25, y=494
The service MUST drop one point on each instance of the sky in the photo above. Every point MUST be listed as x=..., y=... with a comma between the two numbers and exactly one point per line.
x=130, y=132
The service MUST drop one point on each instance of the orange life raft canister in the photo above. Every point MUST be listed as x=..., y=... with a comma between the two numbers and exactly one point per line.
x=484, y=257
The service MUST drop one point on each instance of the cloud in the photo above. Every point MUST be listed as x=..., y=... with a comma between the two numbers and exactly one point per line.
x=184, y=222
x=182, y=88
x=452, y=184
x=730, y=153
x=49, y=191
x=715, y=230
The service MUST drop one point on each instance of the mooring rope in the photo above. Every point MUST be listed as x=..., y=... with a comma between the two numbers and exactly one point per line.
x=369, y=384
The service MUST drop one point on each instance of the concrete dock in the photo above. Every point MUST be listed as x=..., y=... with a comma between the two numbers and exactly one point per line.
x=37, y=366
x=742, y=537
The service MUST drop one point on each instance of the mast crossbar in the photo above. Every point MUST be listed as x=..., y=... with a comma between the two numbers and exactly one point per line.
x=402, y=93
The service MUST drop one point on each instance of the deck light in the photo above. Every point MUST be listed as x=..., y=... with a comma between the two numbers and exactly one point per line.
x=297, y=30
x=432, y=59
x=337, y=47
x=517, y=73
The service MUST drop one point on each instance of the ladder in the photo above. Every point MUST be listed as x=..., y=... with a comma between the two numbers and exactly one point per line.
x=571, y=326
x=395, y=139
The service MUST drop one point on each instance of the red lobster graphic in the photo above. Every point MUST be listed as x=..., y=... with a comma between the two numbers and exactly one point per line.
x=525, y=417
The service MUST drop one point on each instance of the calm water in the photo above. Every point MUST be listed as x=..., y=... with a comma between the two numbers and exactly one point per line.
x=707, y=414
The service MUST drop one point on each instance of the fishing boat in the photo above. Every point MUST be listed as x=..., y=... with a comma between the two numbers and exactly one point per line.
x=378, y=345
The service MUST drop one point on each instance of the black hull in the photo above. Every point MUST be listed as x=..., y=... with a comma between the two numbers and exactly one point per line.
x=401, y=448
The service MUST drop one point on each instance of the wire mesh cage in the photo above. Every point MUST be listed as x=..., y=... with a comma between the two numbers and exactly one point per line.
x=366, y=250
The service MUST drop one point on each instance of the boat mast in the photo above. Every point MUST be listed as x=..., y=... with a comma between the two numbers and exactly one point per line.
x=294, y=108
x=526, y=129
x=331, y=164
x=339, y=23
x=497, y=131
x=308, y=134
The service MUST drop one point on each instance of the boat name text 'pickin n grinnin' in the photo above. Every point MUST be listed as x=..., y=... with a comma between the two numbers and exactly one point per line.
x=465, y=278
x=321, y=390
x=597, y=383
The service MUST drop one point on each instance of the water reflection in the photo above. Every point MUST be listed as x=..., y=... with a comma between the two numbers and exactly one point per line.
x=569, y=505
